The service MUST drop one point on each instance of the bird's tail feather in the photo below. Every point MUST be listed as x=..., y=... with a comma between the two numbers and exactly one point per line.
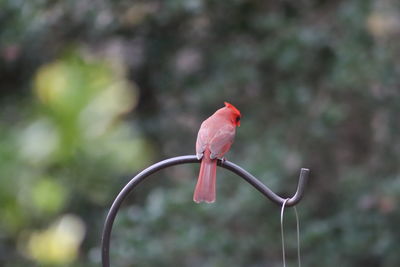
x=205, y=187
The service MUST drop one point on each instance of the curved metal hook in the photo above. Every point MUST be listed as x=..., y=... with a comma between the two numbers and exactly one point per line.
x=105, y=251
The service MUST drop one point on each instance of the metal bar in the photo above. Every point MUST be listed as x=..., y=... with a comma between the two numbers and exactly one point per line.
x=265, y=190
x=105, y=252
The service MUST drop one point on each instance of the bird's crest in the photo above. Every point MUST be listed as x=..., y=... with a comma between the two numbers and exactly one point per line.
x=232, y=107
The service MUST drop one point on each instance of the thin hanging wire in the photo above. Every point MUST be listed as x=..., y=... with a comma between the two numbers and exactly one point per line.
x=283, y=237
x=298, y=236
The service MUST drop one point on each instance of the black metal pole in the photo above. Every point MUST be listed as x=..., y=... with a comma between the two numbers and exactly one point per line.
x=105, y=252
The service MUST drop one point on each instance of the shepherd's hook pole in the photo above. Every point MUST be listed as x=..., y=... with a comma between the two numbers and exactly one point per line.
x=105, y=250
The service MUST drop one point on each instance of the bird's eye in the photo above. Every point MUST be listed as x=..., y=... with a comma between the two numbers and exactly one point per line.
x=237, y=119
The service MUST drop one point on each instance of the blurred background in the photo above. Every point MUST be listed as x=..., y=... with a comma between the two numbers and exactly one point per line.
x=92, y=92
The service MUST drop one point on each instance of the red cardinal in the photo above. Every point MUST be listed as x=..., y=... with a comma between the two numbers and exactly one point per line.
x=214, y=139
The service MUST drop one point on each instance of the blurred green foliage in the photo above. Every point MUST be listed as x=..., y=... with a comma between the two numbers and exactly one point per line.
x=93, y=92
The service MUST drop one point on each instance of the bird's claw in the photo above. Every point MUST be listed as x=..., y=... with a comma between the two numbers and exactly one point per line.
x=223, y=159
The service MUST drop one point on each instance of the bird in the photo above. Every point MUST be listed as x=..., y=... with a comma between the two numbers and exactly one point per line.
x=214, y=139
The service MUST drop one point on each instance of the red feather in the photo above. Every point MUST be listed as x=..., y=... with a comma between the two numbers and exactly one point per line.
x=205, y=187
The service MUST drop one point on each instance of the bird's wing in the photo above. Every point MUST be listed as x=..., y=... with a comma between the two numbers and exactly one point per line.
x=202, y=140
x=222, y=141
